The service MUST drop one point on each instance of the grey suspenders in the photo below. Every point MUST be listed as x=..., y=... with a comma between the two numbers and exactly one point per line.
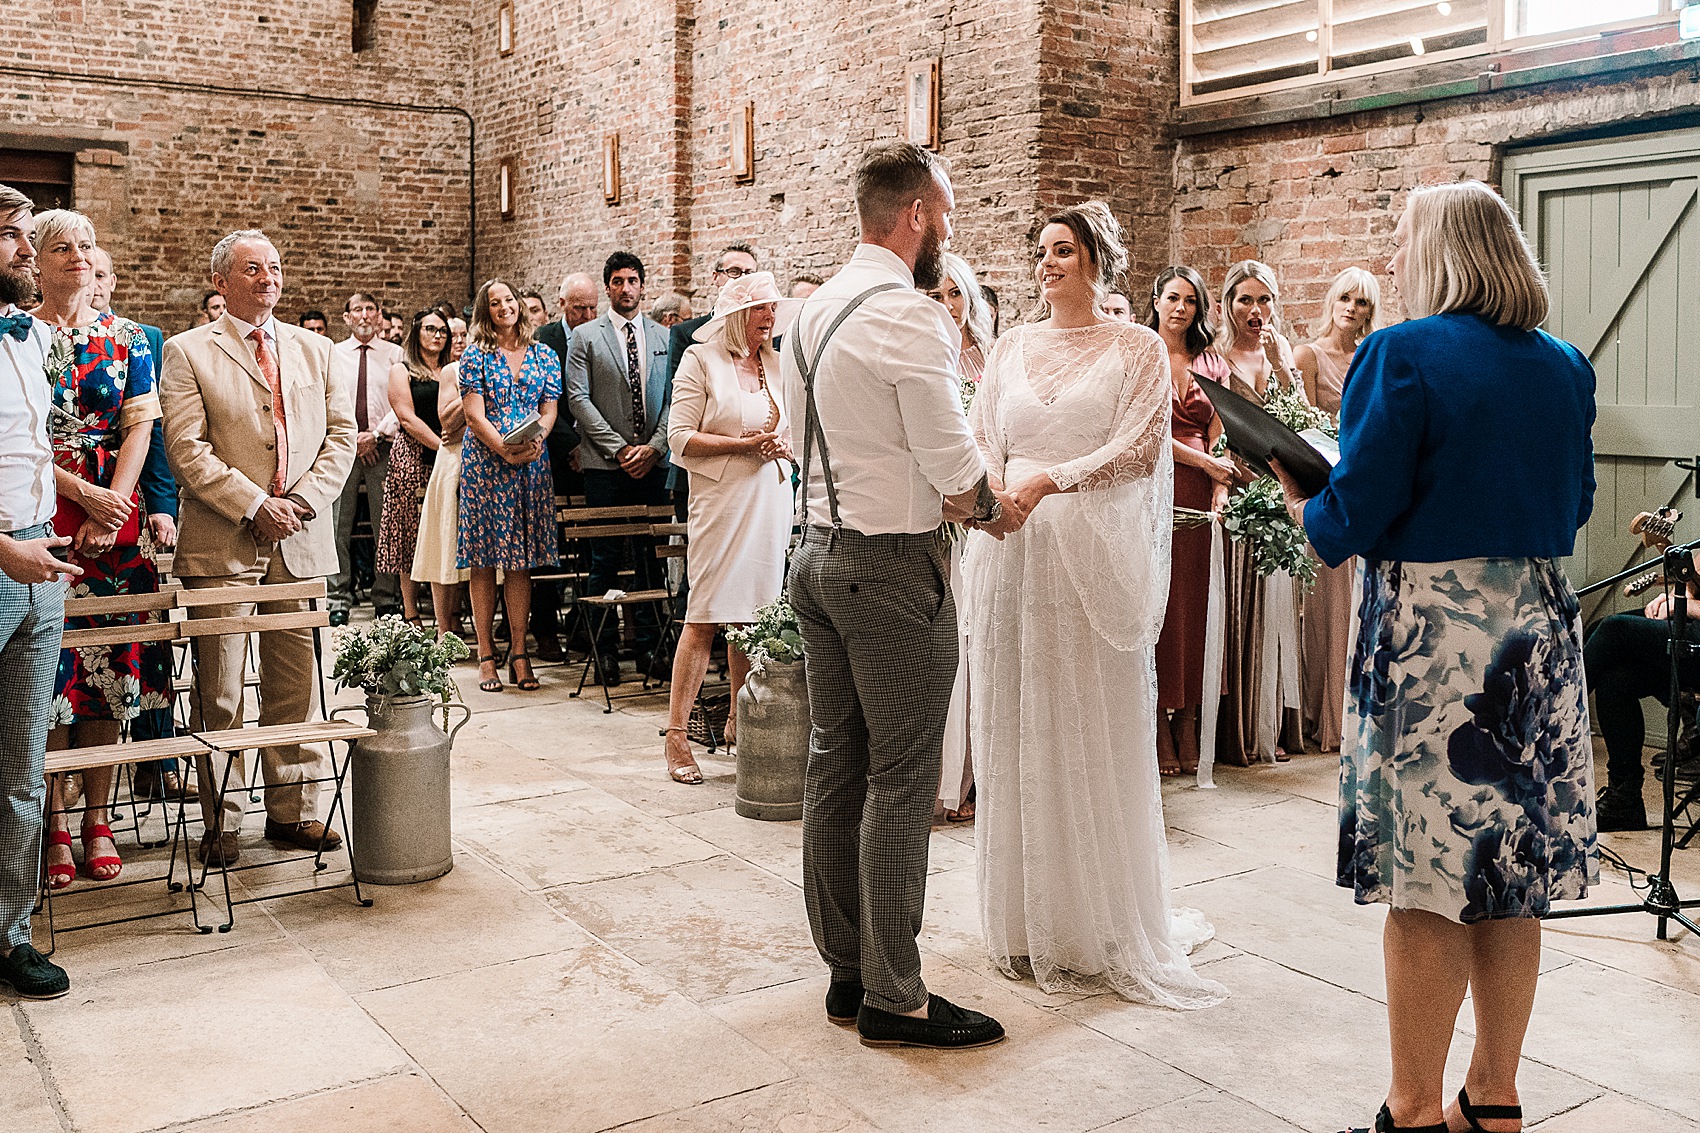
x=811, y=420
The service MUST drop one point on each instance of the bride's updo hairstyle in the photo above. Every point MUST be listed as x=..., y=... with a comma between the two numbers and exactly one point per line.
x=1098, y=232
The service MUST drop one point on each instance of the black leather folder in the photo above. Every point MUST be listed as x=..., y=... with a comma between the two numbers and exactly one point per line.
x=1256, y=438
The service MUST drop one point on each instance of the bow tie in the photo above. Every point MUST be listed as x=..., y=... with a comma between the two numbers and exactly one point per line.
x=18, y=326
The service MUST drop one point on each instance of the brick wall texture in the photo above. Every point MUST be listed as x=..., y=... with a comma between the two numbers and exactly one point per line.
x=1310, y=198
x=367, y=197
x=1044, y=102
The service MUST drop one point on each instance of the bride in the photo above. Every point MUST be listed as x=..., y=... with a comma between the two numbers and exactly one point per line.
x=1064, y=616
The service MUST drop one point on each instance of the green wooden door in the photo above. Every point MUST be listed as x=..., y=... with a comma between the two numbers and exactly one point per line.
x=1617, y=226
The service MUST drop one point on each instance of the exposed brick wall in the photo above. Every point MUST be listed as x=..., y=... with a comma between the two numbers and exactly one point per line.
x=1108, y=79
x=1310, y=198
x=366, y=198
x=826, y=79
x=1044, y=102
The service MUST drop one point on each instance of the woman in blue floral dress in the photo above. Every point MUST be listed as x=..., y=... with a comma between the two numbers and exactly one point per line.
x=104, y=406
x=1466, y=780
x=507, y=495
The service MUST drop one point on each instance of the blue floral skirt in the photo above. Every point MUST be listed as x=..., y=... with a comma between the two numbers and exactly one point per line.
x=1466, y=770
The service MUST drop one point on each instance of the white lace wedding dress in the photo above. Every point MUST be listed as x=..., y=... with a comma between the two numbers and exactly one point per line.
x=1063, y=623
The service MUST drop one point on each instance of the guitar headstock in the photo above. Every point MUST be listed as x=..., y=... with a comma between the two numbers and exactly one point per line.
x=1655, y=529
x=1642, y=583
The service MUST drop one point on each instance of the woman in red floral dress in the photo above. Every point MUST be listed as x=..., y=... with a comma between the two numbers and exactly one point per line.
x=104, y=405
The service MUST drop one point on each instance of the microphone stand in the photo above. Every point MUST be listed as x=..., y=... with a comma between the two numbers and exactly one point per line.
x=1662, y=900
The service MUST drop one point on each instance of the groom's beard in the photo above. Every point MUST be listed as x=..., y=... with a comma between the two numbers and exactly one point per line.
x=929, y=261
x=17, y=285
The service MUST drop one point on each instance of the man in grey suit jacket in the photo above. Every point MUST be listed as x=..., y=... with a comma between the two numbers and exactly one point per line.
x=618, y=389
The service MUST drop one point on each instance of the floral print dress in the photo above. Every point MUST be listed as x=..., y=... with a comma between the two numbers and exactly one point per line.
x=1466, y=777
x=103, y=383
x=507, y=511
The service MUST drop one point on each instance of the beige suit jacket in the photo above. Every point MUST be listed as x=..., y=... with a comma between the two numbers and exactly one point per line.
x=707, y=398
x=221, y=444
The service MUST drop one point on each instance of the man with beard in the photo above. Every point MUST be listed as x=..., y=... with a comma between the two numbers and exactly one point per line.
x=618, y=388
x=32, y=602
x=869, y=377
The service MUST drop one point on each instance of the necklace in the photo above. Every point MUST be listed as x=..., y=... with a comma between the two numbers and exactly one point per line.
x=772, y=405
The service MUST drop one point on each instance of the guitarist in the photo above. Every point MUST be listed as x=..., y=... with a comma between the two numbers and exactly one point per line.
x=1627, y=660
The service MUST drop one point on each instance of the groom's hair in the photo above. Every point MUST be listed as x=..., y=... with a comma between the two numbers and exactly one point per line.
x=891, y=177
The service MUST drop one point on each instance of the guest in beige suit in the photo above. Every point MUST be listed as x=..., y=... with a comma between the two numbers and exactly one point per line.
x=237, y=392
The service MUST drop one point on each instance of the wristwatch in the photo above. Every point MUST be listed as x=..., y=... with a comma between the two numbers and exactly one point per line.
x=987, y=507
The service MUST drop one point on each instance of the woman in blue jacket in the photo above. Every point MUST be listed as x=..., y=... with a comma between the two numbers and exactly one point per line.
x=1466, y=780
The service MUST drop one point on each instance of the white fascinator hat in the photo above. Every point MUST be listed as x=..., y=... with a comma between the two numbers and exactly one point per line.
x=748, y=291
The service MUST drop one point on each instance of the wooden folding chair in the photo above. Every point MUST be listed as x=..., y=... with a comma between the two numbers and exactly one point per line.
x=234, y=741
x=68, y=760
x=578, y=527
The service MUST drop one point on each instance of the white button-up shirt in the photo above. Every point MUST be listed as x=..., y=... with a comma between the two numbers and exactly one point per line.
x=345, y=368
x=26, y=453
x=620, y=324
x=888, y=399
x=246, y=329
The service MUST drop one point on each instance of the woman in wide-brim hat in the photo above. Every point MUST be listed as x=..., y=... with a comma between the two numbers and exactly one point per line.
x=727, y=429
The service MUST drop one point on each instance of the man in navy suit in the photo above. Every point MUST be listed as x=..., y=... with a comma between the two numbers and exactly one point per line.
x=619, y=388
x=576, y=301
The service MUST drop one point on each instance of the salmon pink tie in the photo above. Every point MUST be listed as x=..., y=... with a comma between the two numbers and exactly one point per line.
x=264, y=358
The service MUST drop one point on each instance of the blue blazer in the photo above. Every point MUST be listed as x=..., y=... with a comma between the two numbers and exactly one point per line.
x=601, y=400
x=1459, y=439
x=157, y=485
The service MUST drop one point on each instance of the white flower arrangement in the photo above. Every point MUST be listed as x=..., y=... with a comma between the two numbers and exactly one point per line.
x=773, y=636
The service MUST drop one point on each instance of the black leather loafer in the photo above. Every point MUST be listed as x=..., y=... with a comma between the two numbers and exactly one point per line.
x=843, y=1001
x=32, y=975
x=946, y=1027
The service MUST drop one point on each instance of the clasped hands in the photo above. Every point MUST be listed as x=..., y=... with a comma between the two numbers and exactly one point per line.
x=279, y=517
x=636, y=460
x=106, y=514
x=766, y=445
x=1018, y=502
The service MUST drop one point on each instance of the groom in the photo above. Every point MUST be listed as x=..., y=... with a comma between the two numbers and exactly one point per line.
x=869, y=376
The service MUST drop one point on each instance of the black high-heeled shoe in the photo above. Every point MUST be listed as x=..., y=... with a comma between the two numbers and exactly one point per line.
x=1490, y=1112
x=530, y=683
x=490, y=684
x=1384, y=1124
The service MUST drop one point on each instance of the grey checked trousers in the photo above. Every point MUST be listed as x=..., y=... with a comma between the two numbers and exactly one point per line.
x=32, y=618
x=879, y=638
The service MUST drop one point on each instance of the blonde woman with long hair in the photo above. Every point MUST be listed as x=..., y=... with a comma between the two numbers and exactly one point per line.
x=1262, y=649
x=1325, y=621
x=1466, y=778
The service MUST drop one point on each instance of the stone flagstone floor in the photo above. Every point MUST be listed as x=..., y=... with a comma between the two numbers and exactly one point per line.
x=613, y=951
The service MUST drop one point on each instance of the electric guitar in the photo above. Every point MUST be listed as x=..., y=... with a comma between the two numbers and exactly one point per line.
x=1655, y=529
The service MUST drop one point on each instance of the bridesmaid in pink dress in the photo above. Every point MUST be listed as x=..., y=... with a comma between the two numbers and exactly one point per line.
x=1326, y=618
x=1180, y=314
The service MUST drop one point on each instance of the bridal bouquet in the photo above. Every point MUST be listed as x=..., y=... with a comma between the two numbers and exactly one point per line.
x=1256, y=515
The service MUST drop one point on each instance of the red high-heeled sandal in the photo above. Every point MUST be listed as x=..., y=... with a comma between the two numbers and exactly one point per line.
x=60, y=876
x=109, y=861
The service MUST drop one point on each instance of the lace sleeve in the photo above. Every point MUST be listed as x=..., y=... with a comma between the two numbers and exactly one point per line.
x=983, y=413
x=1140, y=435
